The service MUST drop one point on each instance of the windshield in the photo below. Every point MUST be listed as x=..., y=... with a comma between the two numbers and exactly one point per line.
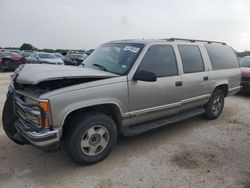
x=46, y=56
x=117, y=58
x=245, y=61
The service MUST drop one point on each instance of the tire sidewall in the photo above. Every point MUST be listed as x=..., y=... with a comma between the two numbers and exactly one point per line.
x=81, y=126
x=210, y=113
x=8, y=119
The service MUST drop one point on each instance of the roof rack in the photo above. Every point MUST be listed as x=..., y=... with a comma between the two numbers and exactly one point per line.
x=195, y=40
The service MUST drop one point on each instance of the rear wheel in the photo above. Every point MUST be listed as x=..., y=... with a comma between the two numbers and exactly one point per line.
x=215, y=105
x=90, y=138
x=8, y=122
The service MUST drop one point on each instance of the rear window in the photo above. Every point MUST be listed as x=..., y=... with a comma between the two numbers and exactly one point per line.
x=222, y=57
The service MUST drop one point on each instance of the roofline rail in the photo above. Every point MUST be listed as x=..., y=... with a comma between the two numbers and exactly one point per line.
x=195, y=40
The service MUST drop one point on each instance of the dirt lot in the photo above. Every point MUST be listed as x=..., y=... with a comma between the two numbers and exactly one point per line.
x=193, y=153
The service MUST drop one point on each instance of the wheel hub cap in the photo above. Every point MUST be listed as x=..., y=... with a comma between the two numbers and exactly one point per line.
x=217, y=105
x=94, y=140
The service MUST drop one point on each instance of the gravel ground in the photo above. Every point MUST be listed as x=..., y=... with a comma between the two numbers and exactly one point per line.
x=192, y=153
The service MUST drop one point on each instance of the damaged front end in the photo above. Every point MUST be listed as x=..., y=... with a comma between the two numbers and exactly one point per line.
x=26, y=117
x=28, y=120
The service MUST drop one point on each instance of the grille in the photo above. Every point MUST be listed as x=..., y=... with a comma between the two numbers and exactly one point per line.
x=28, y=115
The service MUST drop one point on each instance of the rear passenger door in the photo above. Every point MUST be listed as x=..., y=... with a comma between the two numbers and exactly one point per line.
x=156, y=99
x=195, y=86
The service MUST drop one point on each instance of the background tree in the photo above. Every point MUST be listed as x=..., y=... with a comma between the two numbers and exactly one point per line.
x=26, y=46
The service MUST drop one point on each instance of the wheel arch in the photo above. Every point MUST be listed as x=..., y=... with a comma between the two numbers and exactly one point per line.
x=111, y=109
x=223, y=87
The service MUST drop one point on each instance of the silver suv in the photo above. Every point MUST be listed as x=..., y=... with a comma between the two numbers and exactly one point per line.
x=124, y=87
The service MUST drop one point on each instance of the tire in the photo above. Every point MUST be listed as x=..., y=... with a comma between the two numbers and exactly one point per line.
x=90, y=138
x=215, y=105
x=8, y=119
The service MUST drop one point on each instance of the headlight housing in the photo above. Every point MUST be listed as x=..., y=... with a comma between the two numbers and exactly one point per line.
x=41, y=111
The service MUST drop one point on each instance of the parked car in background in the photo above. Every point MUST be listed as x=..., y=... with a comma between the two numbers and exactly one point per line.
x=58, y=55
x=125, y=87
x=10, y=61
x=245, y=73
x=88, y=52
x=44, y=58
x=74, y=58
x=10, y=50
x=15, y=51
x=25, y=54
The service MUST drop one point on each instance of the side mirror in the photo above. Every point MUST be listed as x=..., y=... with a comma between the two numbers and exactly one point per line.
x=145, y=76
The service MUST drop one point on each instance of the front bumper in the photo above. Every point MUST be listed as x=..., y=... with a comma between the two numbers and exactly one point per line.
x=26, y=118
x=44, y=139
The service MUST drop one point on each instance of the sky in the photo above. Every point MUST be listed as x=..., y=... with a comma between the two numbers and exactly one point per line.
x=85, y=24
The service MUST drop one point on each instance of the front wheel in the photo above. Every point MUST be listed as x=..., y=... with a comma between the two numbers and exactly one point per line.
x=90, y=138
x=215, y=105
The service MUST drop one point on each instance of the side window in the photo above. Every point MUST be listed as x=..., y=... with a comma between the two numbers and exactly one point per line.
x=161, y=60
x=191, y=58
x=222, y=57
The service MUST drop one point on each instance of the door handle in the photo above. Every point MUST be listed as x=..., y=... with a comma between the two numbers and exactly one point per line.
x=178, y=83
x=205, y=78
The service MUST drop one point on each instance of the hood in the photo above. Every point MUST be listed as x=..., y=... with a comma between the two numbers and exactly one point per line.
x=36, y=73
x=245, y=71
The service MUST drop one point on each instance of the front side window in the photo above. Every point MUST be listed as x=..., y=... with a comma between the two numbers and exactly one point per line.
x=161, y=60
x=191, y=58
x=116, y=58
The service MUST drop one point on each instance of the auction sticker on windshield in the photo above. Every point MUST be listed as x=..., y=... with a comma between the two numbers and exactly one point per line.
x=131, y=48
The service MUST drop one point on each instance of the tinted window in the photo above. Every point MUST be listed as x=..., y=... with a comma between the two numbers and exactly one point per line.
x=191, y=58
x=222, y=57
x=160, y=59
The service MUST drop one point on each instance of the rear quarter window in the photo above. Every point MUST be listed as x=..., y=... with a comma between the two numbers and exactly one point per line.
x=222, y=57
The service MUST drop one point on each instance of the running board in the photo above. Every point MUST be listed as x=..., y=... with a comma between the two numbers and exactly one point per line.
x=144, y=127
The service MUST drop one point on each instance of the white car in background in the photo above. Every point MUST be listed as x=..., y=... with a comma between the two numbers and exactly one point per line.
x=44, y=58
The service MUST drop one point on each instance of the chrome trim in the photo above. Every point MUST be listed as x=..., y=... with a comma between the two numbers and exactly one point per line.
x=195, y=99
x=147, y=110
x=36, y=100
x=233, y=89
x=41, y=139
x=163, y=107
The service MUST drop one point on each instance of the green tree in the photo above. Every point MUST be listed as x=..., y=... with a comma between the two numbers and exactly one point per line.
x=26, y=46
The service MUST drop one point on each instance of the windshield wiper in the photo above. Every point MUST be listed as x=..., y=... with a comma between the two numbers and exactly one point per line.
x=100, y=67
